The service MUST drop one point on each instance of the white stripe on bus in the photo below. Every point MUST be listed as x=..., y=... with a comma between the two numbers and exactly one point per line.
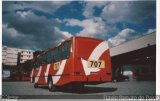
x=99, y=50
x=47, y=71
x=95, y=55
x=59, y=72
x=38, y=75
x=31, y=75
x=71, y=49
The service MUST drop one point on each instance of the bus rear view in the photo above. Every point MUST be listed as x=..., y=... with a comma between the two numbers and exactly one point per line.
x=92, y=60
x=76, y=61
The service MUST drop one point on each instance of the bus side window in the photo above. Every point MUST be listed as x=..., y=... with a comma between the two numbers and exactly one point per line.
x=56, y=54
x=47, y=58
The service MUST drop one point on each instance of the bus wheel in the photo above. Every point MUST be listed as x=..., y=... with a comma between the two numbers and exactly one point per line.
x=35, y=85
x=50, y=85
x=33, y=79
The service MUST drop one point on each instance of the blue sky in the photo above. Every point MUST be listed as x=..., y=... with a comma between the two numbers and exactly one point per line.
x=43, y=24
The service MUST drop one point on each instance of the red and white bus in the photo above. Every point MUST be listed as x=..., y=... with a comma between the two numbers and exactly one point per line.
x=78, y=60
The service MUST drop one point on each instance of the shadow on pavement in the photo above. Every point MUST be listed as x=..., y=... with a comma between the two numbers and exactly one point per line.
x=87, y=90
x=84, y=90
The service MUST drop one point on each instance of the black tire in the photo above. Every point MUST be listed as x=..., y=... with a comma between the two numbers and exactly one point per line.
x=51, y=87
x=35, y=85
x=33, y=79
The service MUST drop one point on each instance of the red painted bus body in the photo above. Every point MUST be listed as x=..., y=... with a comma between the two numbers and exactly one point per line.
x=87, y=61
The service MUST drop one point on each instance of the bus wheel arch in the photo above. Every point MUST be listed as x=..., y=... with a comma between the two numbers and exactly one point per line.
x=51, y=87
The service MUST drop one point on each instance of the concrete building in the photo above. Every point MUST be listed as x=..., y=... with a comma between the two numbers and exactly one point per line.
x=25, y=55
x=10, y=56
x=138, y=55
x=139, y=43
x=13, y=56
x=3, y=55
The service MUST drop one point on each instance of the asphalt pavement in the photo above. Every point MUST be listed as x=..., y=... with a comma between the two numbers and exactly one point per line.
x=26, y=89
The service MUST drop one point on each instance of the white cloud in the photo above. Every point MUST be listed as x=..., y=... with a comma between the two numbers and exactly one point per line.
x=23, y=14
x=22, y=20
x=123, y=36
x=91, y=27
x=45, y=6
x=151, y=30
x=124, y=33
x=115, y=11
x=64, y=34
x=73, y=22
x=10, y=31
x=49, y=6
x=90, y=7
x=24, y=29
x=128, y=11
x=11, y=37
x=88, y=12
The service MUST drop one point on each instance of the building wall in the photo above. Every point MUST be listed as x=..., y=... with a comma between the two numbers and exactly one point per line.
x=26, y=55
x=3, y=56
x=10, y=56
